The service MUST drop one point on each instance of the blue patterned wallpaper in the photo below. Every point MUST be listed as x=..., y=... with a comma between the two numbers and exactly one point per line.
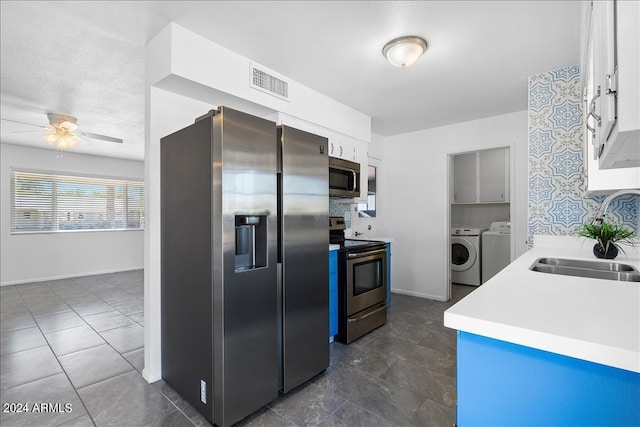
x=558, y=202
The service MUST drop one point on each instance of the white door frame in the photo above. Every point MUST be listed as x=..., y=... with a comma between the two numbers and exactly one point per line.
x=512, y=204
x=370, y=227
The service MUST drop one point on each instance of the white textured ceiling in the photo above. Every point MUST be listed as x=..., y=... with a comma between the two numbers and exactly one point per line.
x=87, y=58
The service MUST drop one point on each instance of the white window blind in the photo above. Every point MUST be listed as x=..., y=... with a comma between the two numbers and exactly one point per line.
x=42, y=202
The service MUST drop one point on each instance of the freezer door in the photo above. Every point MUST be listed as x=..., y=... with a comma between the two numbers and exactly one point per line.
x=303, y=220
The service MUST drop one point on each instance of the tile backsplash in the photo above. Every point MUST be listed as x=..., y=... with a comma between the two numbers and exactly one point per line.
x=558, y=202
x=340, y=209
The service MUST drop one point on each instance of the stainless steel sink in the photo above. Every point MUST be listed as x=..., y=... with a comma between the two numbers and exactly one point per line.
x=585, y=268
x=583, y=263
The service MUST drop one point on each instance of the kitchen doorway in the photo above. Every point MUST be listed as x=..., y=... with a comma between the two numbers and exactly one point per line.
x=367, y=215
x=480, y=193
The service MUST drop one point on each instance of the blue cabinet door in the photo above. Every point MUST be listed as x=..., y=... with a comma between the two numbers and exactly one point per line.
x=505, y=384
x=333, y=294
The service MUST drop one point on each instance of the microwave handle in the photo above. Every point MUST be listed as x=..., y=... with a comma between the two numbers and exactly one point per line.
x=354, y=180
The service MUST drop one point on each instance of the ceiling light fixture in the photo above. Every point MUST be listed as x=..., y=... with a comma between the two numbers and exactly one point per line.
x=62, y=132
x=404, y=51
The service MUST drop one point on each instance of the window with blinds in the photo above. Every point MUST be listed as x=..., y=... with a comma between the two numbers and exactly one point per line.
x=42, y=202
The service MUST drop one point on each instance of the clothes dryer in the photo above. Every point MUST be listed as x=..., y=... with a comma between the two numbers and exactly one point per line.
x=466, y=256
x=496, y=246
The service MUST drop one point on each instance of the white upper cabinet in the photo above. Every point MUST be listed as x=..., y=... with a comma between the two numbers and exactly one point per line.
x=612, y=139
x=493, y=175
x=611, y=42
x=465, y=178
x=481, y=177
x=342, y=147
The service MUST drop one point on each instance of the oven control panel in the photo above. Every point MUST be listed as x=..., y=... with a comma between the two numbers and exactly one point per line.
x=336, y=223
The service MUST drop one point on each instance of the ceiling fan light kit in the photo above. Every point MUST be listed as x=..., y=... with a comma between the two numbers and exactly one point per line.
x=62, y=131
x=404, y=51
x=62, y=136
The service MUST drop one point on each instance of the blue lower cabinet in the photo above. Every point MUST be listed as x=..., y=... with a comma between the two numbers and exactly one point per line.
x=505, y=384
x=388, y=275
x=333, y=294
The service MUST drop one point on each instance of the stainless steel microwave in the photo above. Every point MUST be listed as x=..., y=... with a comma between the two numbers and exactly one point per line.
x=344, y=178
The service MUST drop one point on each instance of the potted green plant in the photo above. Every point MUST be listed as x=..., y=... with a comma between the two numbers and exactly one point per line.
x=608, y=236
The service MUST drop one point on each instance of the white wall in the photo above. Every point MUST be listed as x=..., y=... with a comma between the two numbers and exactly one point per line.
x=46, y=256
x=416, y=206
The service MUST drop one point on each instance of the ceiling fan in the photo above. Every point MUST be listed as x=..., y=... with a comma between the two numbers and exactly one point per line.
x=63, y=132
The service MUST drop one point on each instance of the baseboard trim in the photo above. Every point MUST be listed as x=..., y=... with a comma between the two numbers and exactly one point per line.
x=417, y=294
x=68, y=276
x=151, y=375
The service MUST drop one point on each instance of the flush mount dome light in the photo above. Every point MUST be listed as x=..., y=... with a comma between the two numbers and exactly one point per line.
x=404, y=51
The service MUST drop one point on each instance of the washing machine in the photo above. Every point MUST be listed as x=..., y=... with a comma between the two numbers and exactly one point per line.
x=466, y=256
x=496, y=247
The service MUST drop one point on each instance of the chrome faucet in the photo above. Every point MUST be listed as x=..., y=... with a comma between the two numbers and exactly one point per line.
x=599, y=219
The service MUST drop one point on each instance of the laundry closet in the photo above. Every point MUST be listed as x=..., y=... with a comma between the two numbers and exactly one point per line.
x=479, y=214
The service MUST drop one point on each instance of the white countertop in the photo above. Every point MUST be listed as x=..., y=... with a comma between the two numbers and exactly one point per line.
x=383, y=239
x=333, y=247
x=591, y=319
x=377, y=239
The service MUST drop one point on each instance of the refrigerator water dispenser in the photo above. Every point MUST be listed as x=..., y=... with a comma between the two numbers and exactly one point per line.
x=251, y=242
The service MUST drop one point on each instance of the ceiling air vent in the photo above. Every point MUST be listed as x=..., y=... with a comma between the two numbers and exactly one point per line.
x=265, y=81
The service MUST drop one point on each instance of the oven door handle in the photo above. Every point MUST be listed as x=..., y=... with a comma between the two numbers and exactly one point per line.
x=365, y=254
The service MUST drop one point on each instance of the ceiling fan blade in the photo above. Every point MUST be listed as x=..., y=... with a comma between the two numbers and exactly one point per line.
x=85, y=135
x=82, y=139
x=101, y=137
x=25, y=123
x=26, y=131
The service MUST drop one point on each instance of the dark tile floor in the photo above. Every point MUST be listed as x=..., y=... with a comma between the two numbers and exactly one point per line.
x=71, y=352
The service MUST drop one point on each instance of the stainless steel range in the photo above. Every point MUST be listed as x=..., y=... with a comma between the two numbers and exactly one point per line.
x=362, y=283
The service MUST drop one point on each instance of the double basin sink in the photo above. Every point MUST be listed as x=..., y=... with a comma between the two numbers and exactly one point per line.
x=584, y=268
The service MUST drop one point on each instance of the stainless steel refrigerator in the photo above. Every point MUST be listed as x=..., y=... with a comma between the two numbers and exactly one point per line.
x=244, y=208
